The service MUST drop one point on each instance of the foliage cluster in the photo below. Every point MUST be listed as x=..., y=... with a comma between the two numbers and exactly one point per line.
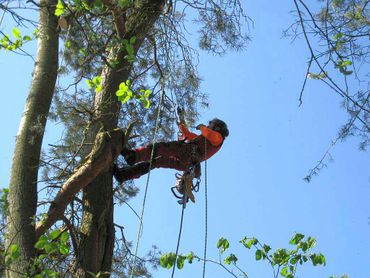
x=284, y=262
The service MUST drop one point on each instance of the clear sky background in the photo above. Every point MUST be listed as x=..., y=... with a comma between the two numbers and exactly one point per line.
x=255, y=183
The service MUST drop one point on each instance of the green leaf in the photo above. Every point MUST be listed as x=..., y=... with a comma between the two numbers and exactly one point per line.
x=296, y=239
x=305, y=259
x=338, y=36
x=129, y=49
x=347, y=63
x=83, y=52
x=318, y=259
x=230, y=259
x=311, y=242
x=50, y=274
x=123, y=3
x=89, y=83
x=41, y=242
x=133, y=40
x=16, y=33
x=190, y=257
x=13, y=248
x=54, y=234
x=59, y=8
x=4, y=200
x=123, y=87
x=14, y=251
x=98, y=4
x=180, y=261
x=27, y=38
x=51, y=248
x=68, y=44
x=259, y=254
x=130, y=58
x=64, y=237
x=42, y=256
x=249, y=242
x=85, y=5
x=36, y=33
x=342, y=66
x=97, y=80
x=339, y=45
x=13, y=254
x=120, y=93
x=98, y=89
x=167, y=260
x=280, y=256
x=63, y=249
x=223, y=244
x=295, y=259
x=284, y=271
x=303, y=246
x=266, y=248
x=125, y=99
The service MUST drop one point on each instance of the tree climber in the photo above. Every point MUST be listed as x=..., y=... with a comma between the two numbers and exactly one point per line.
x=188, y=151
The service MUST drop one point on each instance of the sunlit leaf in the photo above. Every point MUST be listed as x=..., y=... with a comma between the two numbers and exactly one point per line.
x=16, y=33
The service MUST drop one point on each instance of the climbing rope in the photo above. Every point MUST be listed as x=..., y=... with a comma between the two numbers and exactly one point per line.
x=140, y=230
x=184, y=197
x=184, y=200
x=205, y=213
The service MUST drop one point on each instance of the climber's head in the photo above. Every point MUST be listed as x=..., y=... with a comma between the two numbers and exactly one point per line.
x=219, y=126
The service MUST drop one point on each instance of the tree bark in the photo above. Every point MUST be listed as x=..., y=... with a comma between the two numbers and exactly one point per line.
x=97, y=232
x=23, y=180
x=107, y=147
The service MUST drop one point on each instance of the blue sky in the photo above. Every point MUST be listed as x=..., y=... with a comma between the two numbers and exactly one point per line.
x=255, y=183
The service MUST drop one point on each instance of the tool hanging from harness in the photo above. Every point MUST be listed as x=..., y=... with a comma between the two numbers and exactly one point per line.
x=184, y=187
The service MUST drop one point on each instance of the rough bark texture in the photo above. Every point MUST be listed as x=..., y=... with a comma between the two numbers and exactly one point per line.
x=23, y=180
x=107, y=147
x=97, y=232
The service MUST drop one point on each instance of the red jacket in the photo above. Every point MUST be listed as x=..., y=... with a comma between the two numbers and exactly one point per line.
x=209, y=142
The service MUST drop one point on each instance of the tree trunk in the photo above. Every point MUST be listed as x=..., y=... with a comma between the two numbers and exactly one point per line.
x=23, y=180
x=97, y=232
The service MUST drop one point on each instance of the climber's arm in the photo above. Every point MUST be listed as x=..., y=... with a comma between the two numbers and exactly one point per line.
x=212, y=136
x=186, y=133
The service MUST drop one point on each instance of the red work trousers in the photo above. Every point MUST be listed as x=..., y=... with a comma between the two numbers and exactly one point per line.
x=175, y=155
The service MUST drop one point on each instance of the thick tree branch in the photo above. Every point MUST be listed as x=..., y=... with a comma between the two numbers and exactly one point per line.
x=107, y=147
